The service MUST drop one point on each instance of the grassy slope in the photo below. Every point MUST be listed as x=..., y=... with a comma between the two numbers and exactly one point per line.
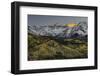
x=44, y=48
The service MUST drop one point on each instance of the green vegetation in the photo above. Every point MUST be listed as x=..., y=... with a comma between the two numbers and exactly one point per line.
x=45, y=48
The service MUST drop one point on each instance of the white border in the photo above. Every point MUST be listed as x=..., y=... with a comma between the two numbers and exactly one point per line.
x=26, y=65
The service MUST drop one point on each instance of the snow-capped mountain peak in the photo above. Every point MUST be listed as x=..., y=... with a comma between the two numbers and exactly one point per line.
x=57, y=30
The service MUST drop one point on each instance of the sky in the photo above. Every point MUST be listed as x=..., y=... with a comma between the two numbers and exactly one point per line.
x=50, y=20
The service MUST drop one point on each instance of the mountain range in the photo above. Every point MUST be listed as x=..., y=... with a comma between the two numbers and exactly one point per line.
x=60, y=31
x=57, y=41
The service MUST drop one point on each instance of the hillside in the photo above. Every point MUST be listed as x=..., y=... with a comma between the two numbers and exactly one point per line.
x=48, y=47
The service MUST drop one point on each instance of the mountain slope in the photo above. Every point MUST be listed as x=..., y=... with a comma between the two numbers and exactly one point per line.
x=44, y=48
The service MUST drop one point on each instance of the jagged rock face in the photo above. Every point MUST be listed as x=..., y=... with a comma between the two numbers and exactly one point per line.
x=82, y=29
x=57, y=30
